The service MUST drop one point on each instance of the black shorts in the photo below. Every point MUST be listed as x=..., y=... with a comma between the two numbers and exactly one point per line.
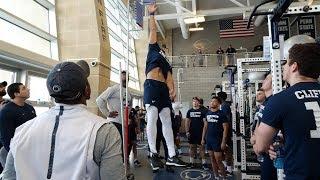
x=132, y=133
x=214, y=145
x=156, y=93
x=195, y=139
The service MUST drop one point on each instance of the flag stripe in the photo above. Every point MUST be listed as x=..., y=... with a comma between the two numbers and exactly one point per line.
x=235, y=28
x=230, y=33
x=227, y=34
x=234, y=36
x=242, y=29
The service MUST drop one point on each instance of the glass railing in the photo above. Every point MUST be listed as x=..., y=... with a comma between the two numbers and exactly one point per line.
x=209, y=60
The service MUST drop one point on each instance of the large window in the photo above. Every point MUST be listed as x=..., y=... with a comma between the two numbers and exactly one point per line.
x=28, y=10
x=117, y=27
x=39, y=95
x=30, y=25
x=38, y=89
x=22, y=38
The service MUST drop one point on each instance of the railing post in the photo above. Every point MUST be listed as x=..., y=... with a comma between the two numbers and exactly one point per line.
x=186, y=59
x=206, y=59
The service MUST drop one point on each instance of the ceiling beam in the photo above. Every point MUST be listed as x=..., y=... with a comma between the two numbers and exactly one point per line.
x=179, y=4
x=225, y=11
x=237, y=3
x=161, y=29
x=183, y=26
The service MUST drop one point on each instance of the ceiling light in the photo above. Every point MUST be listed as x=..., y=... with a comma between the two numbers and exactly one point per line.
x=194, y=20
x=196, y=29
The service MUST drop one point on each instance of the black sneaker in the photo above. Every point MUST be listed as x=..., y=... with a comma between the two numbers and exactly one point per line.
x=175, y=161
x=130, y=176
x=205, y=167
x=155, y=162
x=191, y=165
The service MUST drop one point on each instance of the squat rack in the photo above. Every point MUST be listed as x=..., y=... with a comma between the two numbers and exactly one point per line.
x=275, y=52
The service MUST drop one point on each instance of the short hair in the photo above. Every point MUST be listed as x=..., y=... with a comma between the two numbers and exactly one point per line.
x=307, y=57
x=222, y=95
x=196, y=98
x=260, y=89
x=201, y=101
x=123, y=72
x=13, y=88
x=217, y=98
x=267, y=73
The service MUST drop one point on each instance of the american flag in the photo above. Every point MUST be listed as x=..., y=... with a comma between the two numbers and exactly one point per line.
x=230, y=28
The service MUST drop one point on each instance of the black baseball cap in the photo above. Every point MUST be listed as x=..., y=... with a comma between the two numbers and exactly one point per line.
x=85, y=66
x=4, y=84
x=67, y=81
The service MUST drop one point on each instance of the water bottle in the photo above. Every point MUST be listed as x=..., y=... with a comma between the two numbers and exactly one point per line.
x=260, y=158
x=278, y=163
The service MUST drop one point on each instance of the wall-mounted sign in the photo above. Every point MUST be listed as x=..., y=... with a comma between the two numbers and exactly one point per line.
x=284, y=27
x=307, y=26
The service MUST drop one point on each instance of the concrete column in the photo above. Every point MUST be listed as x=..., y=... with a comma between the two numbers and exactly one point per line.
x=83, y=34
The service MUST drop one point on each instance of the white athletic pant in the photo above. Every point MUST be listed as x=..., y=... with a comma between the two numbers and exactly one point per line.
x=165, y=117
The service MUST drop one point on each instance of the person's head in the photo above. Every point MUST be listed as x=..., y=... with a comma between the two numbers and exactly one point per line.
x=303, y=63
x=230, y=46
x=124, y=78
x=222, y=95
x=67, y=83
x=260, y=96
x=195, y=102
x=3, y=86
x=18, y=91
x=302, y=54
x=267, y=85
x=219, y=47
x=215, y=102
x=137, y=108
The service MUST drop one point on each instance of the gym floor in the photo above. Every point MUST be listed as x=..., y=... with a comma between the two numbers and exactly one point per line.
x=145, y=173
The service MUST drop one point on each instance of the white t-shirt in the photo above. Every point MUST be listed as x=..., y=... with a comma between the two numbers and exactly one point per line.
x=109, y=101
x=176, y=106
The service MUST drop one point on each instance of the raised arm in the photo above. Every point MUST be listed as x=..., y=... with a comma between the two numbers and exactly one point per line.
x=152, y=24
